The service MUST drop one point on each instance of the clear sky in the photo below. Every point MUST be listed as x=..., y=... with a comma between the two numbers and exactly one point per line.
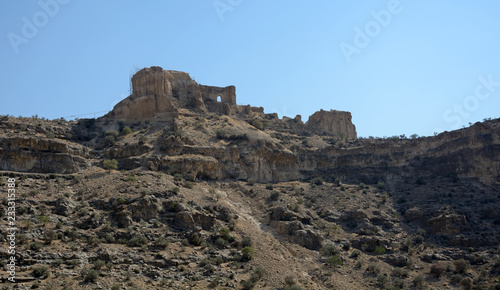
x=400, y=67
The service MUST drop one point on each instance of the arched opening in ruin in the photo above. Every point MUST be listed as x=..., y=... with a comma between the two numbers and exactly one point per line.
x=219, y=99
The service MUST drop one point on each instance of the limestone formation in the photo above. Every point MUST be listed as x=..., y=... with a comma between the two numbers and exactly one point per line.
x=333, y=122
x=159, y=93
x=26, y=154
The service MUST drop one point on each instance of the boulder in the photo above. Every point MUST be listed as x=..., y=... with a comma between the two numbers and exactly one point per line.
x=280, y=213
x=146, y=208
x=64, y=206
x=398, y=260
x=450, y=223
x=194, y=220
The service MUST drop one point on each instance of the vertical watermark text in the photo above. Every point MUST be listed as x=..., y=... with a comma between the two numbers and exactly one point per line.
x=11, y=228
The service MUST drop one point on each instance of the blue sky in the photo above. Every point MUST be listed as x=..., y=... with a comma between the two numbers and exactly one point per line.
x=400, y=67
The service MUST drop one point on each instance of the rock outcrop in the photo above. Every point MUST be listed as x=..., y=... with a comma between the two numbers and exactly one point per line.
x=159, y=93
x=27, y=154
x=338, y=123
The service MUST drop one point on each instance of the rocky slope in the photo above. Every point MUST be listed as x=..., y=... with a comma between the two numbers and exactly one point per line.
x=175, y=188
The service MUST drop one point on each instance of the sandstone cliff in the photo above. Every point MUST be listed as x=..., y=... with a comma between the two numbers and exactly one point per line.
x=337, y=123
x=41, y=155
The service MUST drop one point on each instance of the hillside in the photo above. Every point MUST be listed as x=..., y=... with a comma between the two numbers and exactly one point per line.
x=179, y=187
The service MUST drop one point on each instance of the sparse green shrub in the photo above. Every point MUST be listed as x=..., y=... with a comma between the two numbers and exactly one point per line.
x=334, y=261
x=98, y=264
x=41, y=272
x=258, y=273
x=109, y=140
x=246, y=242
x=401, y=273
x=74, y=262
x=466, y=283
x=58, y=262
x=461, y=266
x=220, y=134
x=113, y=133
x=355, y=254
x=36, y=246
x=161, y=242
x=109, y=239
x=248, y=284
x=380, y=185
x=437, y=270
x=225, y=234
x=247, y=253
x=373, y=269
x=131, y=178
x=189, y=184
x=137, y=241
x=421, y=232
x=204, y=262
x=317, y=181
x=419, y=282
x=232, y=224
x=290, y=280
x=270, y=186
x=379, y=250
x=456, y=278
x=251, y=181
x=195, y=239
x=275, y=195
x=90, y=275
x=258, y=124
x=382, y=281
x=329, y=249
x=110, y=164
x=218, y=260
x=126, y=131
x=43, y=219
x=254, y=278
x=398, y=283
x=49, y=236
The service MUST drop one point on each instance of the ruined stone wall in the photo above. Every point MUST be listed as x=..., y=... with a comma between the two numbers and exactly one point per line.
x=227, y=95
x=159, y=93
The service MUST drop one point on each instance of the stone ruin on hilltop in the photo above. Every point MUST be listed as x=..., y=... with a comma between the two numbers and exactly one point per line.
x=160, y=94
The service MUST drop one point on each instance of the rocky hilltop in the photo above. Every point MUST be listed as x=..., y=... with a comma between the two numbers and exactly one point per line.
x=179, y=186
